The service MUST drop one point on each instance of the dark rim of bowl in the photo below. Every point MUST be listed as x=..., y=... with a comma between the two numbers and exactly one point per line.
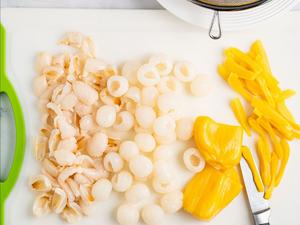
x=228, y=8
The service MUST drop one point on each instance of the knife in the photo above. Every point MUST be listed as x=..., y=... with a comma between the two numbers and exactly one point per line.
x=259, y=206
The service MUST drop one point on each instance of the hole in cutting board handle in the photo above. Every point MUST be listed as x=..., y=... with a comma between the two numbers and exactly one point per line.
x=7, y=136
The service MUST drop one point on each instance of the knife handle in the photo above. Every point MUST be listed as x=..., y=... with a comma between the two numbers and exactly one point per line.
x=20, y=138
x=262, y=217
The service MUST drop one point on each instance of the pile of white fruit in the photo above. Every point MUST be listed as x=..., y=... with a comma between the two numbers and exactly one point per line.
x=106, y=129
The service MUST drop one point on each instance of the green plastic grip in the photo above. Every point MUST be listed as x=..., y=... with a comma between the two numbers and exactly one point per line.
x=6, y=87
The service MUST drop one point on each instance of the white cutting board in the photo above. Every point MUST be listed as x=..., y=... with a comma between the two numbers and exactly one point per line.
x=123, y=34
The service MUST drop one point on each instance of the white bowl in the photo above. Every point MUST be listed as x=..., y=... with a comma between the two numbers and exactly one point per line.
x=234, y=20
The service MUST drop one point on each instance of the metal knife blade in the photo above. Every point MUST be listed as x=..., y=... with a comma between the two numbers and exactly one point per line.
x=260, y=207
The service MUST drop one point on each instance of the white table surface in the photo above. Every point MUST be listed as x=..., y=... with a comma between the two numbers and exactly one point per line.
x=181, y=41
x=104, y=4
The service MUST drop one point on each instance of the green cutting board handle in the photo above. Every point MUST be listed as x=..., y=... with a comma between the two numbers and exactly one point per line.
x=6, y=87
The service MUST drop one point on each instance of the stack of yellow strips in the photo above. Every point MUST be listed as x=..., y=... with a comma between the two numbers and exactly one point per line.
x=250, y=75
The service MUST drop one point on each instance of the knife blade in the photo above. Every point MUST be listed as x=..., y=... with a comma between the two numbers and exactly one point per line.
x=260, y=207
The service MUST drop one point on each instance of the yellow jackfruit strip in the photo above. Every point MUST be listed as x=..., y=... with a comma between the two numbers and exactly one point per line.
x=240, y=114
x=285, y=95
x=296, y=134
x=274, y=170
x=237, y=85
x=256, y=127
x=239, y=70
x=258, y=49
x=276, y=144
x=284, y=111
x=267, y=94
x=223, y=72
x=286, y=155
x=268, y=112
x=258, y=53
x=250, y=161
x=243, y=58
x=272, y=85
x=253, y=87
x=264, y=155
x=283, y=131
x=274, y=118
x=257, y=113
